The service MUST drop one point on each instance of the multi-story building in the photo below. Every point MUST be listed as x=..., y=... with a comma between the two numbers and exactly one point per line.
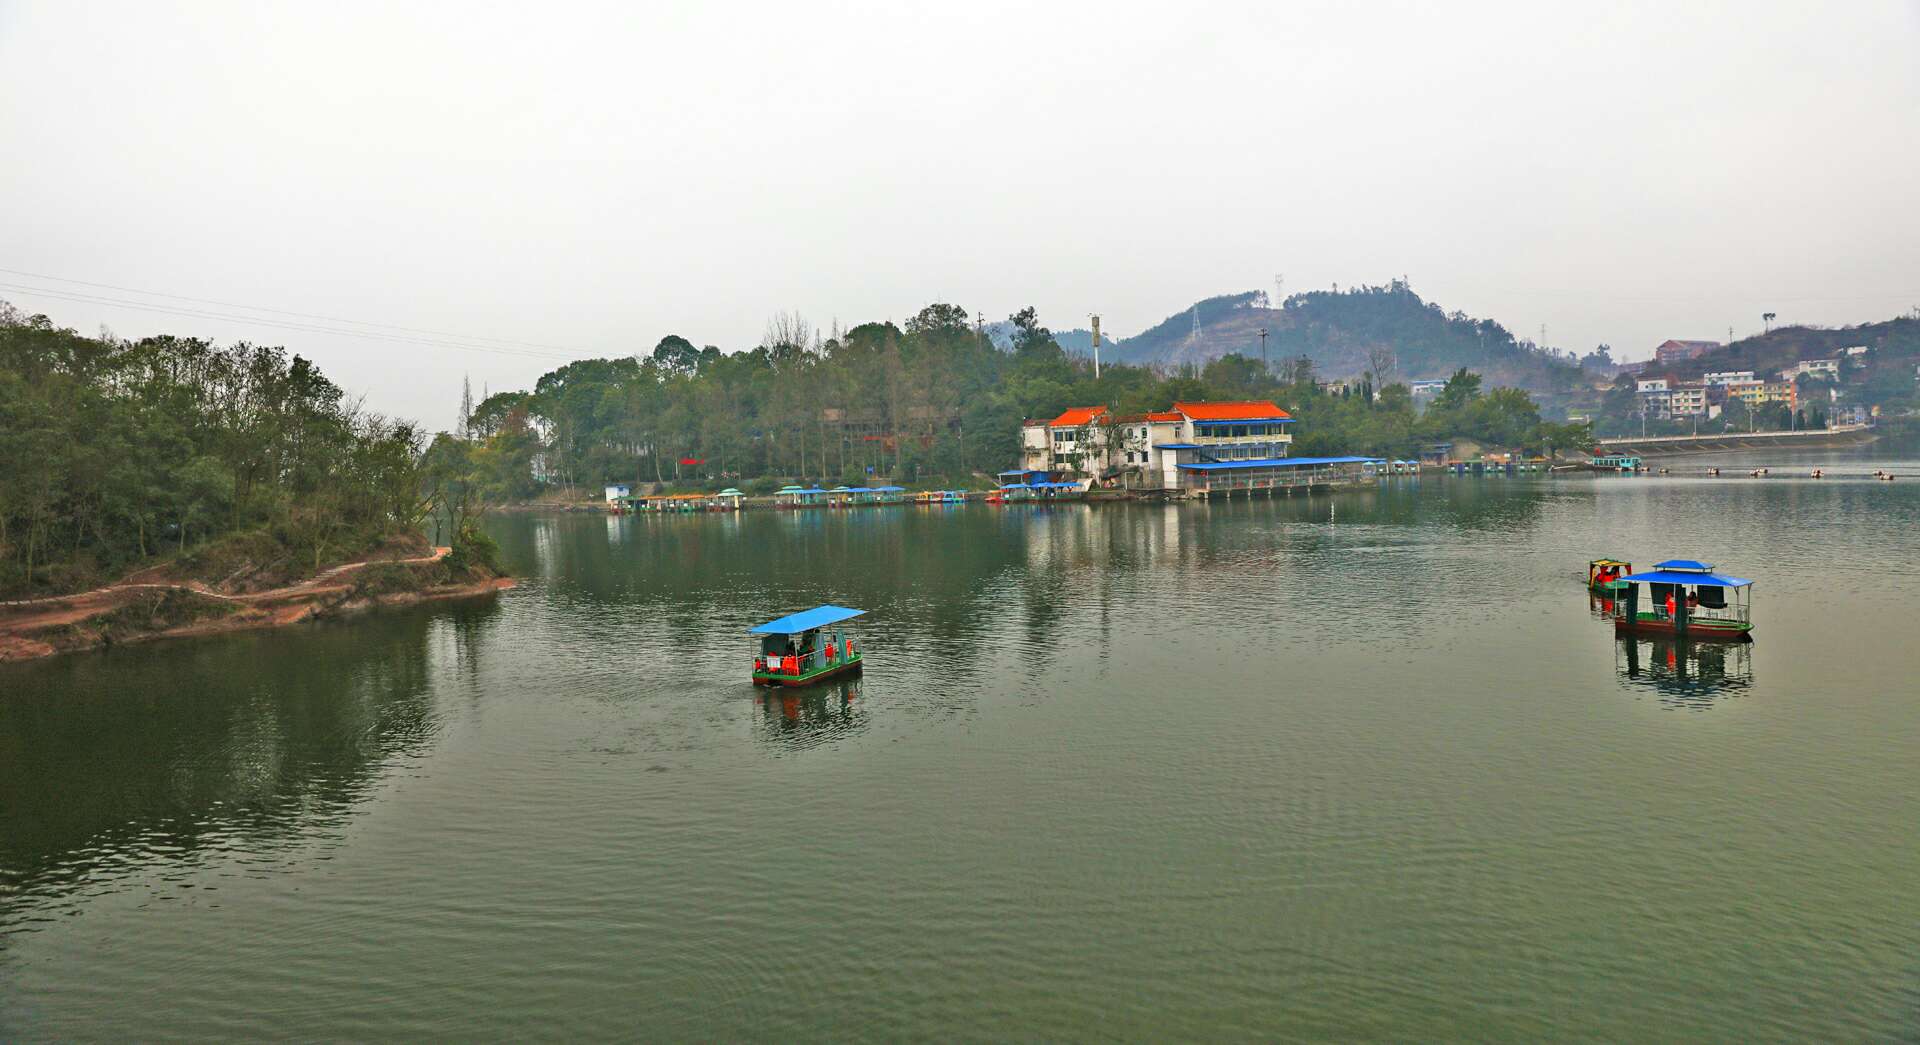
x=1818, y=367
x=1195, y=446
x=1688, y=402
x=1656, y=397
x=1727, y=377
x=1425, y=391
x=1076, y=444
x=1670, y=352
x=1752, y=393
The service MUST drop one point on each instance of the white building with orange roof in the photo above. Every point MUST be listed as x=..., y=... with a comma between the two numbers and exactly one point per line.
x=1073, y=445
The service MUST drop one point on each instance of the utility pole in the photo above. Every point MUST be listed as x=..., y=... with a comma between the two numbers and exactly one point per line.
x=1265, y=367
x=1096, y=346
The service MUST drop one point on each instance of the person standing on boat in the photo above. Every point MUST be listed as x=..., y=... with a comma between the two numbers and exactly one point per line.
x=1670, y=603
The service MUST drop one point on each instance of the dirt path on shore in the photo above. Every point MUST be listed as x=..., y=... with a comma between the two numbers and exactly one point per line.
x=21, y=620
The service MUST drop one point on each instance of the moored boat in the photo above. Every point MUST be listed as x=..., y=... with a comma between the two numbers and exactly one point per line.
x=803, y=648
x=1686, y=599
x=1603, y=575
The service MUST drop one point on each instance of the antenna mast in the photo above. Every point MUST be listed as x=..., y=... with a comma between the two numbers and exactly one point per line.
x=1096, y=345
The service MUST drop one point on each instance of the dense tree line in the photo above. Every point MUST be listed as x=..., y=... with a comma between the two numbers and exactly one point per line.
x=119, y=451
x=934, y=399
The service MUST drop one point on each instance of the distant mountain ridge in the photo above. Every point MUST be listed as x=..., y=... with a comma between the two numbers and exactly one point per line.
x=1341, y=329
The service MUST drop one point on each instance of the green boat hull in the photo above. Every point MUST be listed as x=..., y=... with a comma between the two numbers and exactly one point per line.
x=848, y=666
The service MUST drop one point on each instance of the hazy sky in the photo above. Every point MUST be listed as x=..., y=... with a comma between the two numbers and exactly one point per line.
x=589, y=177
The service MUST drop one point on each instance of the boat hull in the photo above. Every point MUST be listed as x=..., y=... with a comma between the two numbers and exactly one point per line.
x=846, y=667
x=1697, y=631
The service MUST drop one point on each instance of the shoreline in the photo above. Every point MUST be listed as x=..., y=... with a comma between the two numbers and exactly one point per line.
x=133, y=612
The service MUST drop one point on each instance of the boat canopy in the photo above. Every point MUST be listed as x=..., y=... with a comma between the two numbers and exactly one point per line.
x=1685, y=565
x=888, y=489
x=1016, y=486
x=1700, y=577
x=730, y=492
x=806, y=620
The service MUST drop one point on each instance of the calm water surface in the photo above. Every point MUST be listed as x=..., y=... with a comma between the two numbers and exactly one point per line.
x=1355, y=767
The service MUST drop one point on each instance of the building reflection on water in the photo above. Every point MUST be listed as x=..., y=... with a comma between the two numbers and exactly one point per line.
x=1684, y=674
x=806, y=716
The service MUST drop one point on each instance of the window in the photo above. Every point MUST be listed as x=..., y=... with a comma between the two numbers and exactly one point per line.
x=1239, y=430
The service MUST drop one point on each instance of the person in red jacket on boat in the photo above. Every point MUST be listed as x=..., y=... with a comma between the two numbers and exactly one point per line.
x=1670, y=603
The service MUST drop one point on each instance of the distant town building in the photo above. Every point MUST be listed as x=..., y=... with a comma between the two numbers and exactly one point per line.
x=1687, y=402
x=618, y=491
x=1676, y=351
x=1727, y=377
x=1425, y=390
x=1821, y=367
x=1656, y=398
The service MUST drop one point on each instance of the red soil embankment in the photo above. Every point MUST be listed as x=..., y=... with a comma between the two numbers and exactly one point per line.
x=32, y=628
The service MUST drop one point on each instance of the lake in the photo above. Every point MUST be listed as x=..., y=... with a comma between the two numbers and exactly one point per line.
x=1360, y=766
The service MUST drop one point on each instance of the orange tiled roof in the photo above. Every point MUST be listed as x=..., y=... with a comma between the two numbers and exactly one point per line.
x=1258, y=410
x=1164, y=415
x=1077, y=416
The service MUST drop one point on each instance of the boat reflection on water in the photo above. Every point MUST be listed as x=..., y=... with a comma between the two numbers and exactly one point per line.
x=1684, y=674
x=810, y=715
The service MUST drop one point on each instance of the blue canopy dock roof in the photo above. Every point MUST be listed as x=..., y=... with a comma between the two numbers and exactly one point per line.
x=805, y=620
x=1279, y=462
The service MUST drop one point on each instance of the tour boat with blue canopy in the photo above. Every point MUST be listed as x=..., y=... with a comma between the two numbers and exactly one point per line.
x=802, y=648
x=1687, y=599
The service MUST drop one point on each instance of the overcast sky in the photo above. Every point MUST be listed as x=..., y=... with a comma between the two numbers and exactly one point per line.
x=589, y=177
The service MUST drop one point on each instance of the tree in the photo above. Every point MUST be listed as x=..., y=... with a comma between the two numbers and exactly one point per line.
x=676, y=355
x=1462, y=388
x=1381, y=361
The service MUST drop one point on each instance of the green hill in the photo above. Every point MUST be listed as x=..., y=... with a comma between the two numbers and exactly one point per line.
x=1344, y=331
x=1885, y=373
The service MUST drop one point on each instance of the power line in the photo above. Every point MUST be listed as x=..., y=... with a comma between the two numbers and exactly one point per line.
x=366, y=335
x=284, y=312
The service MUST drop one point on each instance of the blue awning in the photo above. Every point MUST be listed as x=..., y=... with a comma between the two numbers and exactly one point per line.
x=1279, y=462
x=1711, y=580
x=1016, y=486
x=1689, y=565
x=1245, y=421
x=1180, y=446
x=888, y=489
x=806, y=620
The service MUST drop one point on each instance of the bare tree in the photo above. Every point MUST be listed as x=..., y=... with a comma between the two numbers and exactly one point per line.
x=787, y=337
x=1382, y=360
